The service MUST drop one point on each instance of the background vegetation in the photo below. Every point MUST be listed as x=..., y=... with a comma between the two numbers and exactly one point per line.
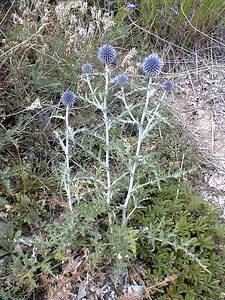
x=46, y=251
x=171, y=22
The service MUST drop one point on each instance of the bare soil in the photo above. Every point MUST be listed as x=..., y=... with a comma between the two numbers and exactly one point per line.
x=199, y=103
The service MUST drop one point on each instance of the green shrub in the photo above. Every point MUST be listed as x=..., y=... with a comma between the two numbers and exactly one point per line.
x=182, y=236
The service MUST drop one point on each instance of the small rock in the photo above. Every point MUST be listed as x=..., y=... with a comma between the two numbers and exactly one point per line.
x=217, y=181
x=136, y=290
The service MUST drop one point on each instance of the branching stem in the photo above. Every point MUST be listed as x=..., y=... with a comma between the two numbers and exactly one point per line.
x=134, y=167
x=127, y=107
x=107, y=128
x=67, y=181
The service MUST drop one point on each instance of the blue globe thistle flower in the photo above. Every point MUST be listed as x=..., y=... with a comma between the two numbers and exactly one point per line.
x=152, y=65
x=87, y=69
x=168, y=85
x=130, y=6
x=68, y=98
x=122, y=80
x=107, y=54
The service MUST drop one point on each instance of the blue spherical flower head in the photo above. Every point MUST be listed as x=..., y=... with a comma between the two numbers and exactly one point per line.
x=130, y=6
x=168, y=85
x=87, y=69
x=68, y=98
x=106, y=54
x=152, y=65
x=122, y=80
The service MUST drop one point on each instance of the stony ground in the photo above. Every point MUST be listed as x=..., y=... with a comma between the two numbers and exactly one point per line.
x=199, y=103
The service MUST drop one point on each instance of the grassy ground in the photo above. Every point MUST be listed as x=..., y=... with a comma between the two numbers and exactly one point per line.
x=70, y=224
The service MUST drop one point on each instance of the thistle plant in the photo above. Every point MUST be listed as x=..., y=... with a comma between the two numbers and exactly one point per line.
x=103, y=88
x=130, y=6
x=107, y=55
x=144, y=121
x=151, y=66
x=68, y=99
x=87, y=69
x=168, y=85
x=122, y=80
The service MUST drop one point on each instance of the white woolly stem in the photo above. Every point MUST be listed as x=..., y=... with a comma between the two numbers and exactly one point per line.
x=134, y=167
x=95, y=99
x=107, y=128
x=67, y=181
x=127, y=107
